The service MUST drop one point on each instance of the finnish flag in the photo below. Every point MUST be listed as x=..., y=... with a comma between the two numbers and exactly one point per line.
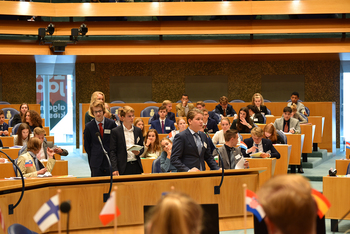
x=47, y=215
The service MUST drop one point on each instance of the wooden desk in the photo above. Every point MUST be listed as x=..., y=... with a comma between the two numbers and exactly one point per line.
x=341, y=165
x=271, y=118
x=12, y=152
x=283, y=162
x=318, y=121
x=134, y=192
x=7, y=141
x=269, y=163
x=147, y=165
x=297, y=141
x=309, y=131
x=60, y=168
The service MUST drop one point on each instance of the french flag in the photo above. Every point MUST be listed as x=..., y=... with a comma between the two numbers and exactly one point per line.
x=348, y=145
x=253, y=205
x=243, y=146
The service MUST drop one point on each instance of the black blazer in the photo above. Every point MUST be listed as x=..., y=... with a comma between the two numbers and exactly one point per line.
x=96, y=156
x=170, y=116
x=229, y=111
x=118, y=153
x=212, y=126
x=184, y=154
x=267, y=145
x=258, y=118
x=263, y=109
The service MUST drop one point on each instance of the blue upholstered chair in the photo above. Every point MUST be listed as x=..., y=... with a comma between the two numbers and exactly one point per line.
x=4, y=103
x=156, y=166
x=10, y=112
x=268, y=111
x=181, y=101
x=265, y=100
x=15, y=129
x=150, y=102
x=149, y=111
x=114, y=110
x=210, y=101
x=118, y=101
x=237, y=100
x=282, y=135
x=17, y=228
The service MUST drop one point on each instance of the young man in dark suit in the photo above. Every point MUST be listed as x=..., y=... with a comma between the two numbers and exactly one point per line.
x=98, y=162
x=190, y=148
x=125, y=162
x=162, y=124
x=224, y=109
x=169, y=115
x=209, y=123
x=257, y=144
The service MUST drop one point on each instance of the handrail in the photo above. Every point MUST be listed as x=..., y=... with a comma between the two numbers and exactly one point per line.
x=174, y=8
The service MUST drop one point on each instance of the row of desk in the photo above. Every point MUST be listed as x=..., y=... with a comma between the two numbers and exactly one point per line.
x=8, y=141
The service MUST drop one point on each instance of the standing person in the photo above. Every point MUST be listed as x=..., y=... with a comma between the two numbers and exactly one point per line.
x=190, y=149
x=224, y=109
x=98, y=95
x=244, y=124
x=184, y=107
x=17, y=118
x=162, y=124
x=287, y=124
x=258, y=101
x=33, y=119
x=300, y=106
x=169, y=115
x=4, y=127
x=23, y=135
x=98, y=162
x=125, y=162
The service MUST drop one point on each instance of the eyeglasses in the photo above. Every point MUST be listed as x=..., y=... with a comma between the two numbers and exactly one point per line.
x=98, y=112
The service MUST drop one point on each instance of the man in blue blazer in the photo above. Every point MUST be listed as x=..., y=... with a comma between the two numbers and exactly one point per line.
x=98, y=162
x=190, y=148
x=259, y=144
x=169, y=115
x=162, y=124
x=124, y=161
x=209, y=123
x=224, y=109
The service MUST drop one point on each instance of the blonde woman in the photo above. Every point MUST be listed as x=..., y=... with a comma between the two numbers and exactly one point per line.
x=258, y=101
x=98, y=95
x=219, y=138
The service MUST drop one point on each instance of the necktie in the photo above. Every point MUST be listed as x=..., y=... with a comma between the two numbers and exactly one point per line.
x=198, y=143
x=285, y=127
x=101, y=129
x=232, y=160
x=257, y=148
x=162, y=126
x=224, y=112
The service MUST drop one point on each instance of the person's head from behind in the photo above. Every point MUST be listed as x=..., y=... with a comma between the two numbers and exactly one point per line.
x=184, y=99
x=32, y=118
x=257, y=134
x=23, y=108
x=181, y=124
x=225, y=124
x=257, y=100
x=97, y=108
x=127, y=114
x=200, y=105
x=195, y=119
x=252, y=110
x=168, y=104
x=223, y=102
x=2, y=117
x=39, y=133
x=162, y=112
x=175, y=213
x=270, y=132
x=294, y=108
x=287, y=113
x=34, y=145
x=295, y=97
x=289, y=205
x=231, y=138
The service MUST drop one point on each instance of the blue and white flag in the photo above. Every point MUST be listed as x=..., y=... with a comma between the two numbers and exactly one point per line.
x=47, y=215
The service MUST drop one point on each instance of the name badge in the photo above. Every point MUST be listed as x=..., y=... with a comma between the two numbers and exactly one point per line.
x=167, y=128
x=256, y=119
x=107, y=131
x=138, y=139
x=205, y=144
x=238, y=157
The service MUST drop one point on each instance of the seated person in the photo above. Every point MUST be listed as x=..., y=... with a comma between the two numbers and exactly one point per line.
x=209, y=123
x=287, y=124
x=229, y=152
x=165, y=164
x=255, y=114
x=33, y=119
x=201, y=105
x=271, y=134
x=296, y=115
x=138, y=122
x=184, y=107
x=257, y=143
x=152, y=146
x=23, y=135
x=181, y=126
x=288, y=204
x=108, y=113
x=169, y=115
x=17, y=118
x=30, y=165
x=224, y=109
x=258, y=101
x=4, y=127
x=244, y=124
x=219, y=138
x=95, y=96
x=121, y=118
x=300, y=106
x=42, y=154
x=162, y=125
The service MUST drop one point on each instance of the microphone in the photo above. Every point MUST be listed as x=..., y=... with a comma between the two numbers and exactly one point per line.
x=11, y=206
x=217, y=188
x=65, y=208
x=106, y=195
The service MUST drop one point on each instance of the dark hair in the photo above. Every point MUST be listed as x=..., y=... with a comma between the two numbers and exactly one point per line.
x=21, y=127
x=184, y=95
x=34, y=117
x=162, y=108
x=20, y=107
x=253, y=108
x=229, y=134
x=295, y=93
x=287, y=109
x=2, y=112
x=240, y=126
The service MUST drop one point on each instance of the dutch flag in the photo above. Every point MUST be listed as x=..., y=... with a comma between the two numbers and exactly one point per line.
x=253, y=205
x=348, y=145
x=243, y=145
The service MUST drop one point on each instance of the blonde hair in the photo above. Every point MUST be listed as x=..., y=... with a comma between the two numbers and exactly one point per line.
x=175, y=213
x=38, y=131
x=97, y=103
x=227, y=119
x=257, y=95
x=144, y=129
x=294, y=107
x=126, y=109
x=257, y=131
x=288, y=204
x=166, y=102
x=94, y=97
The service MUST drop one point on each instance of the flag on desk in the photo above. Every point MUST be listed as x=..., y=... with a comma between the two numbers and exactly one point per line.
x=47, y=215
x=2, y=221
x=242, y=145
x=253, y=205
x=109, y=210
x=322, y=202
x=347, y=145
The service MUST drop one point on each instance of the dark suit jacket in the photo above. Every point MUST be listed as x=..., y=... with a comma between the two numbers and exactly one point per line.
x=5, y=127
x=170, y=116
x=96, y=156
x=212, y=126
x=213, y=115
x=258, y=118
x=184, y=154
x=118, y=153
x=157, y=126
x=229, y=111
x=267, y=145
x=263, y=109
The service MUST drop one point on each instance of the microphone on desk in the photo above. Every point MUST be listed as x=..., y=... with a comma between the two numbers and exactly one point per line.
x=106, y=195
x=11, y=206
x=65, y=208
x=217, y=188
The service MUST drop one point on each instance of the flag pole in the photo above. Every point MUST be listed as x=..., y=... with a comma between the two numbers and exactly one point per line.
x=115, y=210
x=245, y=208
x=59, y=210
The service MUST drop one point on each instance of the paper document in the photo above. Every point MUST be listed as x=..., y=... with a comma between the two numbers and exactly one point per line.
x=256, y=155
x=47, y=174
x=240, y=163
x=135, y=148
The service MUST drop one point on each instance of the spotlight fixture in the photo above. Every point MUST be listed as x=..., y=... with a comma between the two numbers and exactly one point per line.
x=42, y=32
x=75, y=32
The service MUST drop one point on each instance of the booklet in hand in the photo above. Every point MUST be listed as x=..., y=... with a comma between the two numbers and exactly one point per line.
x=135, y=148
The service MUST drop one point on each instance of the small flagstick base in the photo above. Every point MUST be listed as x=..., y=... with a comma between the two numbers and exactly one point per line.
x=59, y=211
x=245, y=208
x=116, y=204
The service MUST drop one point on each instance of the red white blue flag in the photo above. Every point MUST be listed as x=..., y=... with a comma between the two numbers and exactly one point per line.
x=253, y=205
